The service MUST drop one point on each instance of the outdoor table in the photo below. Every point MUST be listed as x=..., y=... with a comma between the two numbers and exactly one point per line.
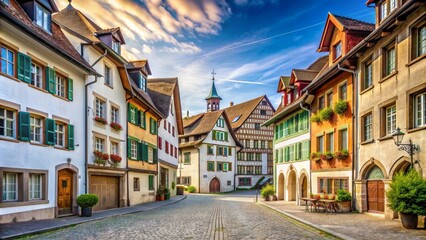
x=311, y=200
x=329, y=204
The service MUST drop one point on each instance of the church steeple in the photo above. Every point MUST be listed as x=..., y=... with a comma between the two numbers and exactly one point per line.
x=213, y=100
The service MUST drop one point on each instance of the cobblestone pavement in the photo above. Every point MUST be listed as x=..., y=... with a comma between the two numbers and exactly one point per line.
x=224, y=216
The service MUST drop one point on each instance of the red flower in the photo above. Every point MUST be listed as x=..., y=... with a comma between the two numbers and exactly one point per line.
x=98, y=154
x=116, y=126
x=105, y=156
x=115, y=158
x=101, y=120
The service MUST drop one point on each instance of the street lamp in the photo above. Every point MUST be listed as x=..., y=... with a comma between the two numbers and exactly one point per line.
x=409, y=147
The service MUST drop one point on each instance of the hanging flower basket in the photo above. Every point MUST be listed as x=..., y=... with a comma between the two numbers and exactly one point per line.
x=341, y=155
x=116, y=126
x=326, y=114
x=327, y=156
x=341, y=107
x=101, y=120
x=316, y=157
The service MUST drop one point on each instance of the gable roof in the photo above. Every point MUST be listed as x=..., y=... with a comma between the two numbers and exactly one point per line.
x=318, y=64
x=140, y=64
x=283, y=83
x=56, y=41
x=284, y=111
x=161, y=91
x=302, y=75
x=342, y=24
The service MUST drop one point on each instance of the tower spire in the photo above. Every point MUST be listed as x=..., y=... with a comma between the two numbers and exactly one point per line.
x=213, y=100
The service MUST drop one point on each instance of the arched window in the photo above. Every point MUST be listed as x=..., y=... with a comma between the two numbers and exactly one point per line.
x=375, y=173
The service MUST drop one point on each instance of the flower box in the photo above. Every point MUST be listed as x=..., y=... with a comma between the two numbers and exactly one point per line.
x=327, y=156
x=116, y=126
x=100, y=157
x=341, y=155
x=316, y=157
x=101, y=120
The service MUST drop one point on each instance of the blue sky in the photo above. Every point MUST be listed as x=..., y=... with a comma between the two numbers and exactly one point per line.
x=249, y=44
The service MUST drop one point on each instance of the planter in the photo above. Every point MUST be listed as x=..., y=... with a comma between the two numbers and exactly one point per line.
x=162, y=197
x=409, y=220
x=86, y=211
x=167, y=196
x=344, y=207
x=274, y=198
x=179, y=191
x=267, y=198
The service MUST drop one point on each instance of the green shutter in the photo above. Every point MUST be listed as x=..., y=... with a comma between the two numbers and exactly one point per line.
x=24, y=67
x=50, y=132
x=71, y=137
x=214, y=134
x=226, y=136
x=24, y=126
x=145, y=152
x=50, y=80
x=155, y=155
x=129, y=112
x=151, y=182
x=70, y=89
x=151, y=125
x=140, y=151
x=129, y=148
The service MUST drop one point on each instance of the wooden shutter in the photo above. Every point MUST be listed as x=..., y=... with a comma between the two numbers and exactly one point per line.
x=71, y=137
x=70, y=89
x=24, y=67
x=214, y=134
x=24, y=126
x=129, y=147
x=155, y=155
x=50, y=132
x=145, y=152
x=140, y=151
x=129, y=112
x=230, y=151
x=226, y=136
x=151, y=182
x=50, y=80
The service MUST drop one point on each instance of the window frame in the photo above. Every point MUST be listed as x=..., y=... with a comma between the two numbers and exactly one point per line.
x=386, y=71
x=345, y=85
x=31, y=196
x=100, y=107
x=107, y=72
x=14, y=123
x=365, y=136
x=41, y=128
x=368, y=64
x=42, y=75
x=340, y=139
x=415, y=97
x=46, y=26
x=335, y=50
x=59, y=85
x=59, y=133
x=7, y=60
x=392, y=116
x=187, y=158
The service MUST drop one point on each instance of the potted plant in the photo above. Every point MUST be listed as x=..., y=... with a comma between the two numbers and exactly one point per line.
x=315, y=118
x=115, y=160
x=326, y=114
x=407, y=195
x=180, y=189
x=166, y=194
x=100, y=120
x=160, y=194
x=116, y=126
x=341, y=155
x=86, y=202
x=100, y=157
x=341, y=107
x=344, y=200
x=311, y=195
x=327, y=156
x=192, y=189
x=315, y=157
x=267, y=190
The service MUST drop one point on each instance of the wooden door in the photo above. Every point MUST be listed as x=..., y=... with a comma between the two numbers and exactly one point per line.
x=107, y=189
x=375, y=196
x=214, y=185
x=65, y=189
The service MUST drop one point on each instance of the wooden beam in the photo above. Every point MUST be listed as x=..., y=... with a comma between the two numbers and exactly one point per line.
x=370, y=44
x=384, y=33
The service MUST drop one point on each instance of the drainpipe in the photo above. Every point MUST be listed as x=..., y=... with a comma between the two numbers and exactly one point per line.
x=86, y=125
x=354, y=130
x=309, y=126
x=199, y=171
x=127, y=137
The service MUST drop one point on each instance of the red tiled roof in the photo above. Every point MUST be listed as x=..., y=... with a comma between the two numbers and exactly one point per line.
x=354, y=24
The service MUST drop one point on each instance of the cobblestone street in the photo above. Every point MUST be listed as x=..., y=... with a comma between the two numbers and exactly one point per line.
x=227, y=216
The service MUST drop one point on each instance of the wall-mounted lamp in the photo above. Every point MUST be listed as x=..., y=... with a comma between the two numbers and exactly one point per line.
x=69, y=161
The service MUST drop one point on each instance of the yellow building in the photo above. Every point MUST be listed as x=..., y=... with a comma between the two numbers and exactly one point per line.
x=142, y=128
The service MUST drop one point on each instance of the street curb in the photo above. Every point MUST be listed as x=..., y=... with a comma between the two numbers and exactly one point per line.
x=336, y=234
x=42, y=230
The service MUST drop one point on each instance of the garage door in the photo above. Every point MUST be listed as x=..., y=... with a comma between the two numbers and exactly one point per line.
x=106, y=188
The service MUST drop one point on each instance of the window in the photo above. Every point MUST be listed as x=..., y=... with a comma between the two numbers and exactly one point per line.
x=187, y=158
x=59, y=135
x=169, y=127
x=236, y=118
x=390, y=119
x=142, y=82
x=330, y=142
x=367, y=123
x=60, y=86
x=257, y=126
x=343, y=91
x=167, y=146
x=36, y=129
x=244, y=181
x=392, y=5
x=220, y=135
x=320, y=144
x=114, y=148
x=99, y=144
x=337, y=50
x=210, y=166
x=262, y=112
x=173, y=131
x=115, y=113
x=420, y=110
x=419, y=40
x=133, y=149
x=368, y=75
x=332, y=185
x=343, y=139
x=7, y=123
x=42, y=17
x=35, y=186
x=107, y=76
x=330, y=99
x=389, y=58
x=160, y=143
x=36, y=75
x=219, y=166
x=383, y=10
x=184, y=180
x=220, y=122
x=210, y=150
x=10, y=187
x=220, y=151
x=258, y=170
x=321, y=102
x=7, y=61
x=151, y=182
x=116, y=47
x=100, y=108
x=255, y=143
x=136, y=184
x=6, y=2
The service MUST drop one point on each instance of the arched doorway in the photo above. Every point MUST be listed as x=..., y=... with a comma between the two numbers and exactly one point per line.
x=375, y=190
x=281, y=186
x=65, y=191
x=292, y=186
x=214, y=185
x=303, y=185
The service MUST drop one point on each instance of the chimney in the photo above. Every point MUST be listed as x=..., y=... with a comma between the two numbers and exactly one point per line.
x=231, y=104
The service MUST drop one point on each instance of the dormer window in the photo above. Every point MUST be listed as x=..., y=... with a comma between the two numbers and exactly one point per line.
x=288, y=97
x=387, y=7
x=116, y=46
x=142, y=82
x=42, y=18
x=337, y=50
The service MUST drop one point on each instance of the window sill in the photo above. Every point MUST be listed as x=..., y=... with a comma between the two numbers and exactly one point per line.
x=416, y=129
x=108, y=85
x=387, y=137
x=9, y=139
x=61, y=148
x=26, y=203
x=368, y=142
x=415, y=60
x=60, y=97
x=388, y=76
x=366, y=90
x=37, y=88
x=38, y=144
x=8, y=76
